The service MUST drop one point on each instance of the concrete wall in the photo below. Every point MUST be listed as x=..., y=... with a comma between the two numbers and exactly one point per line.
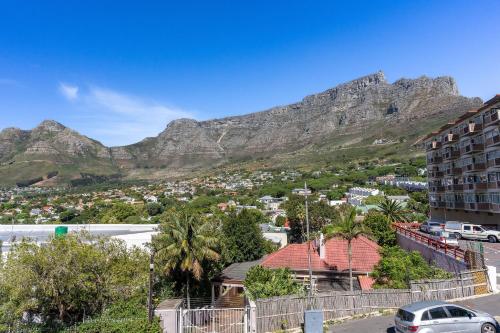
x=439, y=259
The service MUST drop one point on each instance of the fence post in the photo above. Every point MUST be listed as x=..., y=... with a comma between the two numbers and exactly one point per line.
x=461, y=283
x=181, y=324
x=245, y=320
x=252, y=317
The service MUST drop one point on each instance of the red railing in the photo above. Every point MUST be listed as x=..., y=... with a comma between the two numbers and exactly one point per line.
x=410, y=230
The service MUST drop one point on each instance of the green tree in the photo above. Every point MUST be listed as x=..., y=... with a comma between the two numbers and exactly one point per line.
x=242, y=237
x=68, y=278
x=374, y=200
x=118, y=213
x=184, y=243
x=380, y=228
x=67, y=215
x=348, y=228
x=154, y=208
x=393, y=210
x=262, y=282
x=320, y=214
x=280, y=221
x=398, y=267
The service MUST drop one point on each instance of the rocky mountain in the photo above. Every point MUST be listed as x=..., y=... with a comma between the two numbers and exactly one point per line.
x=355, y=114
x=357, y=107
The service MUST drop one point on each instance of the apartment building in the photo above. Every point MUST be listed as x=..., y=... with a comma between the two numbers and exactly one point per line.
x=463, y=167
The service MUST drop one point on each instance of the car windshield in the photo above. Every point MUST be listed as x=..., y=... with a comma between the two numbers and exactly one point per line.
x=434, y=224
x=405, y=315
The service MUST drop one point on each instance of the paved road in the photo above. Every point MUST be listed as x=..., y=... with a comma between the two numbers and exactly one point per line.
x=384, y=324
x=492, y=256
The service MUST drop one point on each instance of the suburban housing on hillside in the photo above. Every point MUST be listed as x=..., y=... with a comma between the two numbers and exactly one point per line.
x=463, y=167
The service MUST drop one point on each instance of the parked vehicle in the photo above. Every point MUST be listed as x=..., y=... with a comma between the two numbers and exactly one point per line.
x=472, y=231
x=444, y=237
x=429, y=226
x=442, y=317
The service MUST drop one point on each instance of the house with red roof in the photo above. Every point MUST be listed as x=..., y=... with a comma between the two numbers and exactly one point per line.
x=329, y=264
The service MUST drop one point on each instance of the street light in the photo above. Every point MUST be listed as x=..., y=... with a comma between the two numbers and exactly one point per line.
x=150, y=291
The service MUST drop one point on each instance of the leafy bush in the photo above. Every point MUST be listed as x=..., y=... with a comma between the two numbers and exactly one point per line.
x=398, y=267
x=262, y=282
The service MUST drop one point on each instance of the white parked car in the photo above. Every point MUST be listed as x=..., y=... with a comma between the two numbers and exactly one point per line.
x=444, y=237
x=471, y=231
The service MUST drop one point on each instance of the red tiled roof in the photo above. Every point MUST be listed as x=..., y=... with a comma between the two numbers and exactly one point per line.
x=294, y=256
x=365, y=282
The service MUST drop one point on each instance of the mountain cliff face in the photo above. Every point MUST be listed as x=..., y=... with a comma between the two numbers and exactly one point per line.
x=363, y=109
x=349, y=108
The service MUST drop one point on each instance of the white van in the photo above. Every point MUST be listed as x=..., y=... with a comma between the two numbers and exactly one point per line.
x=471, y=231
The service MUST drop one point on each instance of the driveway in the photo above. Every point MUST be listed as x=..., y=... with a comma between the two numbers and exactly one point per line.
x=384, y=324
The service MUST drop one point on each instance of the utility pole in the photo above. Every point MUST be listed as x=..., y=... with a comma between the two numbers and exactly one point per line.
x=150, y=292
x=308, y=242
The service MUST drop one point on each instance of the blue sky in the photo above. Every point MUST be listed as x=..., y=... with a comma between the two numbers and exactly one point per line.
x=120, y=71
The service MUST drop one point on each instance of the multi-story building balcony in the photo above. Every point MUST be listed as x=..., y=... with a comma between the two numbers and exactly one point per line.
x=472, y=148
x=494, y=162
x=492, y=118
x=477, y=166
x=434, y=160
x=451, y=155
x=472, y=128
x=453, y=171
x=492, y=141
x=475, y=186
x=454, y=205
x=450, y=139
x=433, y=145
x=455, y=187
x=494, y=208
x=437, y=204
x=436, y=188
x=435, y=174
x=494, y=184
x=484, y=206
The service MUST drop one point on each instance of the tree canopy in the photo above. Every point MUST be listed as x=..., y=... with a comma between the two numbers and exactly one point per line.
x=69, y=278
x=242, y=238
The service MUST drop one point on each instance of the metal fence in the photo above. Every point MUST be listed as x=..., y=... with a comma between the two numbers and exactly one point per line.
x=232, y=320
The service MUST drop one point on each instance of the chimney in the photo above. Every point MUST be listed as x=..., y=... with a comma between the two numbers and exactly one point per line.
x=322, y=250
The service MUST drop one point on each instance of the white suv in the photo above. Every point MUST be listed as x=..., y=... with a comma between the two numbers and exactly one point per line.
x=471, y=231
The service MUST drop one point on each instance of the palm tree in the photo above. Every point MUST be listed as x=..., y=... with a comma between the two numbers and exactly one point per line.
x=184, y=242
x=348, y=228
x=392, y=210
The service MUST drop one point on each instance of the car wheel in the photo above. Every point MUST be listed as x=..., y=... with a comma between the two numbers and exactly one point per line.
x=492, y=239
x=488, y=328
x=458, y=235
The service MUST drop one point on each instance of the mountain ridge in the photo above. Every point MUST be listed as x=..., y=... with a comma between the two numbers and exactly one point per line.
x=352, y=113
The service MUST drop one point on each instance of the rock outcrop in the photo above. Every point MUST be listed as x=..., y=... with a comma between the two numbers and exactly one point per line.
x=348, y=108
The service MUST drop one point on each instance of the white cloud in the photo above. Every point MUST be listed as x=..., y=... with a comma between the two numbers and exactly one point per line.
x=116, y=118
x=68, y=91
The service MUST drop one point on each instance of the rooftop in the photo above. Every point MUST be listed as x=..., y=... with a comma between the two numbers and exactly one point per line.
x=365, y=256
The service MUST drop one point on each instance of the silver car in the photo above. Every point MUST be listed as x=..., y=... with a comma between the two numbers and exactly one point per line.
x=429, y=226
x=442, y=317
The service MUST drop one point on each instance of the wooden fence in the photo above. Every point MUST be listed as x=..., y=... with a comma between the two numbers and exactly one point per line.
x=282, y=313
